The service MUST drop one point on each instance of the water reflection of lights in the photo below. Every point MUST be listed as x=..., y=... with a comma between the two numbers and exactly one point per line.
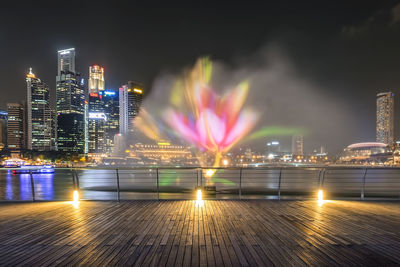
x=210, y=172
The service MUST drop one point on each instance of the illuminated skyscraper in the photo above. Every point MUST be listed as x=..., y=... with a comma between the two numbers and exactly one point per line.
x=3, y=129
x=39, y=119
x=16, y=127
x=96, y=123
x=66, y=60
x=130, y=100
x=385, y=118
x=111, y=110
x=96, y=79
x=70, y=99
x=297, y=145
x=96, y=115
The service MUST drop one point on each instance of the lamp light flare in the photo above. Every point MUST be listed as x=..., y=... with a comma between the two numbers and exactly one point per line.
x=320, y=195
x=210, y=173
x=199, y=195
x=76, y=196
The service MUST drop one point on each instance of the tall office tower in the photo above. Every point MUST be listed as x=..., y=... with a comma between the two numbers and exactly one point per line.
x=111, y=110
x=70, y=99
x=96, y=116
x=96, y=123
x=3, y=129
x=130, y=100
x=297, y=145
x=53, y=129
x=66, y=60
x=15, y=128
x=385, y=118
x=39, y=120
x=96, y=79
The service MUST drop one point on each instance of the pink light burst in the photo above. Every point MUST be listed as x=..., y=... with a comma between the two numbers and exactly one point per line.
x=217, y=122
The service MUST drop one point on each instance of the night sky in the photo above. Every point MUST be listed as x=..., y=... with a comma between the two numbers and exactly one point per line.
x=348, y=50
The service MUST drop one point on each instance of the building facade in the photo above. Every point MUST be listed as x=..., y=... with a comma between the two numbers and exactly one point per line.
x=96, y=123
x=111, y=110
x=96, y=116
x=39, y=115
x=297, y=145
x=66, y=60
x=16, y=128
x=385, y=118
x=130, y=100
x=96, y=81
x=3, y=129
x=70, y=105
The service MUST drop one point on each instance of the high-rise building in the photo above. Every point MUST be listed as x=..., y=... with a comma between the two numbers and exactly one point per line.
x=70, y=103
x=96, y=79
x=385, y=118
x=96, y=123
x=297, y=145
x=15, y=128
x=39, y=120
x=66, y=60
x=96, y=115
x=3, y=129
x=130, y=100
x=111, y=110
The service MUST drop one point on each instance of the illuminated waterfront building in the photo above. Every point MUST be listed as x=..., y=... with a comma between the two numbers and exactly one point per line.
x=297, y=145
x=70, y=104
x=369, y=152
x=39, y=115
x=385, y=118
x=16, y=127
x=162, y=153
x=130, y=100
x=3, y=129
x=96, y=81
x=111, y=110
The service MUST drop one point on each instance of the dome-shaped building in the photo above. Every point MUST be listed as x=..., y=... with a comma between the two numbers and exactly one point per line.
x=367, y=152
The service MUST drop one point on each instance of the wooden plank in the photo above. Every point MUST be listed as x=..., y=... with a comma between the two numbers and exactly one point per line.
x=219, y=233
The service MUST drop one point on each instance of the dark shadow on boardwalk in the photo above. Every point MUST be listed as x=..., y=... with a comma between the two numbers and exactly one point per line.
x=220, y=233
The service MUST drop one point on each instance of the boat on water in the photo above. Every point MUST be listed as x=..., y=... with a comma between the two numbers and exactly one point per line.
x=42, y=169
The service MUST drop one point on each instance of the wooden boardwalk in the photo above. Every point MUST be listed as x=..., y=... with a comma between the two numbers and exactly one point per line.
x=219, y=233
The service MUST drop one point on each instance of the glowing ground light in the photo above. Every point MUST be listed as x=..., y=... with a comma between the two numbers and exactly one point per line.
x=320, y=197
x=199, y=194
x=199, y=198
x=75, y=198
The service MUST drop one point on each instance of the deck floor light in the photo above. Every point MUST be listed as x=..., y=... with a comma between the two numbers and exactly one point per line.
x=199, y=197
x=320, y=195
x=75, y=196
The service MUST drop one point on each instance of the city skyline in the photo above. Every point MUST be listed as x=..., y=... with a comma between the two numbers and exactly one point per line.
x=330, y=57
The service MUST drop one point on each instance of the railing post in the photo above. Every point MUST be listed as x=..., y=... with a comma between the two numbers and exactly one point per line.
x=321, y=184
x=197, y=176
x=73, y=179
x=363, y=184
x=118, y=194
x=240, y=183
x=158, y=186
x=201, y=176
x=279, y=183
x=32, y=186
x=77, y=180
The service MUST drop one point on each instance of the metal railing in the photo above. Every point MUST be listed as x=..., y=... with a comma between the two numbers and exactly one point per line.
x=217, y=183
